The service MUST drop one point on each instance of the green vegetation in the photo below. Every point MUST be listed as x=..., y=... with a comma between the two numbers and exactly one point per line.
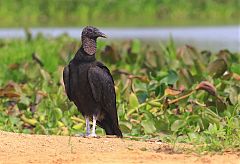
x=19, y=13
x=165, y=93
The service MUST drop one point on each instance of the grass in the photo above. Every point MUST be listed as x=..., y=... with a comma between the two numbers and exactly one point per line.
x=176, y=95
x=127, y=13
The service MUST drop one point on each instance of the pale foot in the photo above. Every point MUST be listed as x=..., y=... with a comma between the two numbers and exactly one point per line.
x=93, y=135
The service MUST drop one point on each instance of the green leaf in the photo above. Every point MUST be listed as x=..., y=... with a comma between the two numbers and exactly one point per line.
x=133, y=101
x=24, y=100
x=171, y=78
x=31, y=121
x=177, y=125
x=159, y=90
x=148, y=126
x=233, y=95
x=78, y=126
x=57, y=112
x=125, y=127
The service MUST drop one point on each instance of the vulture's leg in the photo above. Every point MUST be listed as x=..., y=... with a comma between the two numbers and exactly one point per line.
x=93, y=134
x=87, y=126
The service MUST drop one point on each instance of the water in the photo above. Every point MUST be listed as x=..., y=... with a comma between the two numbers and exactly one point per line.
x=205, y=38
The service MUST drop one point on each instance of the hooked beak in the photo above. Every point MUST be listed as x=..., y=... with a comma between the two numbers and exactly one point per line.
x=100, y=34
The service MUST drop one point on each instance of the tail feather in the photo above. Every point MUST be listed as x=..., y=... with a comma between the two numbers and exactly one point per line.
x=118, y=132
x=110, y=128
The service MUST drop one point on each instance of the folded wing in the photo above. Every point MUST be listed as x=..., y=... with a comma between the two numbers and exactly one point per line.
x=66, y=80
x=102, y=86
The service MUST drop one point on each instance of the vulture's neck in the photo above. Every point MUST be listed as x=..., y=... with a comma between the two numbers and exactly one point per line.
x=89, y=45
x=87, y=51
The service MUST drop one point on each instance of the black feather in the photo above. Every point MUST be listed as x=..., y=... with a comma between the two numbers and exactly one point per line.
x=66, y=80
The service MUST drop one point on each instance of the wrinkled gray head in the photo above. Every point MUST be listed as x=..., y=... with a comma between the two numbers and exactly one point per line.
x=92, y=33
x=89, y=37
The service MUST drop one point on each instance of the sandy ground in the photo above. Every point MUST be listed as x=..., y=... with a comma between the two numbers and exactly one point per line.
x=22, y=148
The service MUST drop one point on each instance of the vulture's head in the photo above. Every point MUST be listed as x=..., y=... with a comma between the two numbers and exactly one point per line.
x=89, y=37
x=92, y=33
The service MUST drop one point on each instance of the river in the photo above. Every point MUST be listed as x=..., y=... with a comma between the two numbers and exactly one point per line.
x=204, y=38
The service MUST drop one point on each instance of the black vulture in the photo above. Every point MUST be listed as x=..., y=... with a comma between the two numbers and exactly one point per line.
x=89, y=84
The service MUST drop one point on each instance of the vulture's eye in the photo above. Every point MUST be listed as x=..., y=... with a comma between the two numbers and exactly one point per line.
x=90, y=30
